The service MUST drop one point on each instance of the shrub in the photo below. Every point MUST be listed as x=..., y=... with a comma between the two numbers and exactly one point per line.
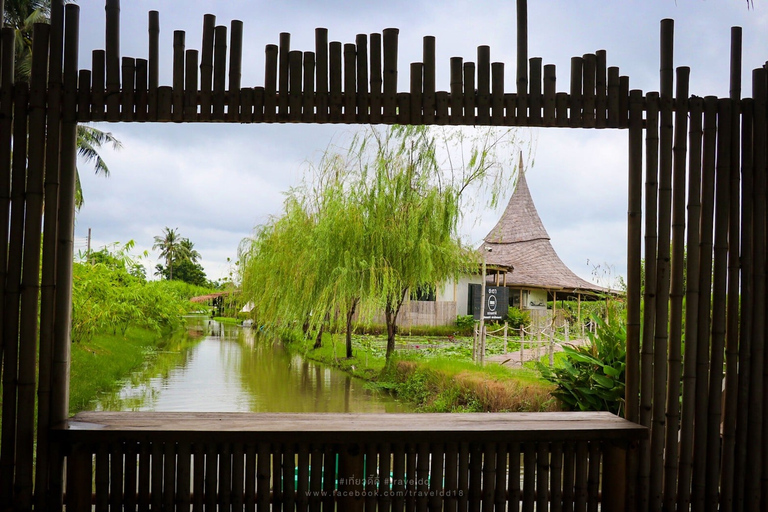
x=465, y=322
x=592, y=376
x=517, y=318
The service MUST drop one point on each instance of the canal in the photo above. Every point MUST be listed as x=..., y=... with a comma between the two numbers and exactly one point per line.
x=234, y=369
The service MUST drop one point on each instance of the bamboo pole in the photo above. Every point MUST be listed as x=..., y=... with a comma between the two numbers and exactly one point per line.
x=550, y=90
x=153, y=59
x=756, y=427
x=142, y=99
x=457, y=90
x=308, y=106
x=128, y=97
x=398, y=476
x=677, y=288
x=535, y=98
x=315, y=478
x=733, y=290
x=719, y=278
x=661, y=333
x=179, y=49
x=483, y=84
x=588, y=94
x=321, y=85
x=542, y=476
x=336, y=98
x=623, y=101
x=295, y=65
x=705, y=284
x=556, y=476
x=390, y=36
x=30, y=278
x=43, y=489
x=98, y=76
x=206, y=67
x=282, y=77
x=270, y=83
x=403, y=108
x=220, y=72
x=613, y=97
x=747, y=306
x=113, y=59
x=361, y=51
x=385, y=480
x=469, y=93
x=11, y=294
x=692, y=298
x=190, y=86
x=350, y=85
x=429, y=99
x=235, y=69
x=601, y=100
x=164, y=103
x=649, y=298
x=561, y=109
x=65, y=244
x=497, y=93
x=247, y=109
x=416, y=95
x=522, y=61
x=577, y=64
x=262, y=477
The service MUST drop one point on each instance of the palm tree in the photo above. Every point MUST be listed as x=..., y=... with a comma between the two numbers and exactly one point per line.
x=188, y=250
x=169, y=245
x=21, y=15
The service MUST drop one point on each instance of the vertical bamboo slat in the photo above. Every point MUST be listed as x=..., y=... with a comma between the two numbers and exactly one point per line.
x=705, y=283
x=361, y=52
x=556, y=478
x=302, y=477
x=588, y=94
x=575, y=106
x=671, y=449
x=649, y=298
x=376, y=79
x=542, y=476
x=529, y=476
x=198, y=479
x=513, y=483
x=249, y=496
x=142, y=99
x=101, y=479
x=593, y=476
x=692, y=298
x=733, y=290
x=561, y=109
x=183, y=477
x=295, y=65
x=535, y=97
x=469, y=93
x=282, y=77
x=497, y=94
x=601, y=99
x=321, y=86
x=113, y=59
x=179, y=49
x=422, y=476
x=350, y=86
x=190, y=86
x=457, y=90
x=437, y=477
x=153, y=23
x=390, y=36
x=219, y=72
x=417, y=85
x=98, y=77
x=335, y=98
x=398, y=476
x=308, y=105
x=262, y=477
x=484, y=84
x=206, y=67
x=522, y=61
x=270, y=83
x=235, y=69
x=385, y=480
x=430, y=100
x=128, y=96
x=550, y=91
x=613, y=97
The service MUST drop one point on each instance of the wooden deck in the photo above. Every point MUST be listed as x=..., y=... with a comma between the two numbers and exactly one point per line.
x=235, y=461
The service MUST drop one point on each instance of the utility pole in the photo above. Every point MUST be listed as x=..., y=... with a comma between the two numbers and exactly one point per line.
x=88, y=249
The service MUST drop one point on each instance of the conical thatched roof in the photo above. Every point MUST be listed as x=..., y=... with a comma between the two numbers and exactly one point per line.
x=520, y=240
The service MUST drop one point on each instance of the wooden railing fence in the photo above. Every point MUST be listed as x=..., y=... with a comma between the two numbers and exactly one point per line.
x=696, y=215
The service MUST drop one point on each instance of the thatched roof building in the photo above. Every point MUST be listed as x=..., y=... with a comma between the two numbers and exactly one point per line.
x=519, y=239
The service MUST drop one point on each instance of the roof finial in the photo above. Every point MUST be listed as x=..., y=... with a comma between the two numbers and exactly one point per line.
x=520, y=168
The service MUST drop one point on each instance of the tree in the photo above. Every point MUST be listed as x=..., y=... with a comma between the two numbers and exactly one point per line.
x=21, y=15
x=372, y=223
x=169, y=245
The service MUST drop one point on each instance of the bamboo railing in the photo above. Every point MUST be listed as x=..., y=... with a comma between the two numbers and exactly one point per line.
x=696, y=358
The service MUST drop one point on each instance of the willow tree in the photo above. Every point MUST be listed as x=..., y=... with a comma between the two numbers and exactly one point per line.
x=373, y=222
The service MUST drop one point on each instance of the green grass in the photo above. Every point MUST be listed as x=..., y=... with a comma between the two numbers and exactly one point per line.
x=100, y=365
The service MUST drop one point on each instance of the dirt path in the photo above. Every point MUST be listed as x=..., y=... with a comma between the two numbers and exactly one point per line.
x=512, y=359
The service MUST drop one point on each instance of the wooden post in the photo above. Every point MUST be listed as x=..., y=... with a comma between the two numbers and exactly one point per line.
x=113, y=59
x=206, y=67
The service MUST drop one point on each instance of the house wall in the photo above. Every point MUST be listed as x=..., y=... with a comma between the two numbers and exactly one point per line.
x=458, y=292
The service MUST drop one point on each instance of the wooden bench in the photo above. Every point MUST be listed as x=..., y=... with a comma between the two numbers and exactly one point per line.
x=236, y=461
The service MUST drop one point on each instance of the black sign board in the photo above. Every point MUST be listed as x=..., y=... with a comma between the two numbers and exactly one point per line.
x=496, y=301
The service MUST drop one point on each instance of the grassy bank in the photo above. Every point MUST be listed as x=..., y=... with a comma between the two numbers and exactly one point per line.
x=435, y=376
x=102, y=364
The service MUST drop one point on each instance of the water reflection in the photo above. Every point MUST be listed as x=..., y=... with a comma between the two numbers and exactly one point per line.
x=235, y=370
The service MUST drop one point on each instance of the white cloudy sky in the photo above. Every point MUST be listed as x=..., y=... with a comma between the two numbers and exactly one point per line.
x=216, y=182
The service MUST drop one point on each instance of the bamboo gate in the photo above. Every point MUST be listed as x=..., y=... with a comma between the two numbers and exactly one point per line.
x=708, y=446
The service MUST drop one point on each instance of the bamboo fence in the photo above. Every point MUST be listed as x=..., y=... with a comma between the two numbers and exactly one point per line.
x=696, y=375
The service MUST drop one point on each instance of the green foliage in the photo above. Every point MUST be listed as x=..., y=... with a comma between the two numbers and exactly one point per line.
x=517, y=318
x=592, y=376
x=465, y=322
x=107, y=297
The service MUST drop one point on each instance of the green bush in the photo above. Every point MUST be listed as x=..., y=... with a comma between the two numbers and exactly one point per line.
x=592, y=376
x=517, y=318
x=465, y=322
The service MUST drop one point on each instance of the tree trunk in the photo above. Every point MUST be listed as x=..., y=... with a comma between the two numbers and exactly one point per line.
x=390, y=314
x=319, y=338
x=350, y=314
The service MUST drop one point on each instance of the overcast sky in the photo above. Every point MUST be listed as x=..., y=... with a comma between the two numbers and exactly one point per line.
x=216, y=182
